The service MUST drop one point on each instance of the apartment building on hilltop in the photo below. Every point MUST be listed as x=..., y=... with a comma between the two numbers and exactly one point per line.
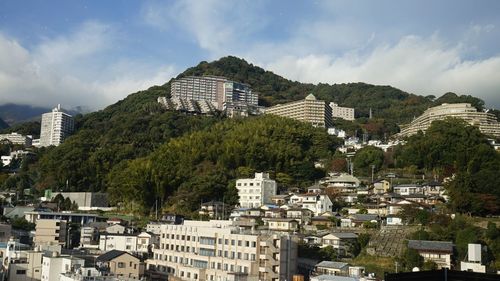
x=219, y=251
x=56, y=127
x=486, y=122
x=346, y=113
x=309, y=110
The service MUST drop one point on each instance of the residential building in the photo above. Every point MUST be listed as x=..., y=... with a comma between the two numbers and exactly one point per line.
x=486, y=122
x=474, y=259
x=408, y=189
x=256, y=192
x=280, y=199
x=381, y=186
x=220, y=251
x=6, y=160
x=56, y=127
x=120, y=264
x=309, y=110
x=50, y=232
x=439, y=252
x=343, y=180
x=89, y=235
x=214, y=209
x=301, y=215
x=341, y=241
x=332, y=268
x=204, y=93
x=317, y=203
x=114, y=241
x=5, y=232
x=357, y=220
x=55, y=265
x=283, y=224
x=346, y=113
x=147, y=241
x=16, y=138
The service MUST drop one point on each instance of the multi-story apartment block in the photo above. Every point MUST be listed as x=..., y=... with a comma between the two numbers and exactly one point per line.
x=486, y=122
x=16, y=138
x=56, y=127
x=257, y=191
x=118, y=241
x=346, y=113
x=50, y=232
x=310, y=110
x=202, y=94
x=53, y=266
x=219, y=251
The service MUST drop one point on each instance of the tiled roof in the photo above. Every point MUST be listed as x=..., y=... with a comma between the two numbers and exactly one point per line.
x=439, y=246
x=332, y=264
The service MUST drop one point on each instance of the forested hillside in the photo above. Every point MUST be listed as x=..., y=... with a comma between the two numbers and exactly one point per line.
x=3, y=125
x=137, y=135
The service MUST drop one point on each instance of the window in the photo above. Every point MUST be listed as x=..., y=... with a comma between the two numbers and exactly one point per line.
x=121, y=265
x=20, y=271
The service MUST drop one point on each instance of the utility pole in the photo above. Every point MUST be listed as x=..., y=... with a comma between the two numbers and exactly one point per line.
x=373, y=170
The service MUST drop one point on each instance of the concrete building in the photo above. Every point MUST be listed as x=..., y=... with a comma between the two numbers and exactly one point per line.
x=220, y=251
x=16, y=138
x=486, y=122
x=341, y=241
x=474, y=259
x=115, y=241
x=56, y=127
x=86, y=201
x=309, y=110
x=203, y=93
x=120, y=264
x=346, y=113
x=317, y=203
x=256, y=192
x=50, y=232
x=81, y=218
x=55, y=265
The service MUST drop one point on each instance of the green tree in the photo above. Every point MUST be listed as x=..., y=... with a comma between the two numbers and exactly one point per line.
x=367, y=157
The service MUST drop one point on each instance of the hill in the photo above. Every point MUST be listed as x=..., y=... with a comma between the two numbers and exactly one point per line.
x=136, y=134
x=19, y=113
x=3, y=124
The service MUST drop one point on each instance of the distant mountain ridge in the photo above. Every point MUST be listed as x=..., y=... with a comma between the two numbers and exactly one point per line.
x=18, y=113
x=3, y=124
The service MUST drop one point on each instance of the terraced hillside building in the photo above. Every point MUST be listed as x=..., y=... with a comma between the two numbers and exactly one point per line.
x=221, y=251
x=309, y=110
x=204, y=94
x=486, y=122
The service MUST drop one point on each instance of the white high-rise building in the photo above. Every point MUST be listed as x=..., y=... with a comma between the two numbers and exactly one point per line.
x=346, y=113
x=256, y=192
x=56, y=127
x=220, y=251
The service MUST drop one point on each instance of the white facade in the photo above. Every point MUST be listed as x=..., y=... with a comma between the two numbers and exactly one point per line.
x=346, y=113
x=16, y=138
x=317, y=203
x=256, y=192
x=56, y=127
x=121, y=242
x=218, y=251
x=6, y=160
x=54, y=266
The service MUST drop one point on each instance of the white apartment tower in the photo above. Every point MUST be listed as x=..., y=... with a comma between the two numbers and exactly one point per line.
x=219, y=251
x=256, y=192
x=56, y=127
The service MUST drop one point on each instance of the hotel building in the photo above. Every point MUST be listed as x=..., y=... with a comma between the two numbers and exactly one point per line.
x=310, y=110
x=56, y=127
x=220, y=251
x=486, y=122
x=346, y=113
x=16, y=138
x=256, y=192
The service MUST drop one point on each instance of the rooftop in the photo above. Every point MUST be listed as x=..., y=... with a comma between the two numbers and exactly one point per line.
x=437, y=246
x=332, y=264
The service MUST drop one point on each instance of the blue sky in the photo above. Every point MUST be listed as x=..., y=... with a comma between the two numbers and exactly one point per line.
x=93, y=53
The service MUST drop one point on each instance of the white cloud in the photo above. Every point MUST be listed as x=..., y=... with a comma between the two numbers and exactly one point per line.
x=71, y=70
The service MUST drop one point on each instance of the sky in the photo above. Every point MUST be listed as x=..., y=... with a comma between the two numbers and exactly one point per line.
x=94, y=53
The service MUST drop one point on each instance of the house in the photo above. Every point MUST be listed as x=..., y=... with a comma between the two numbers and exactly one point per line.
x=214, y=209
x=313, y=239
x=342, y=180
x=332, y=268
x=274, y=213
x=433, y=188
x=317, y=203
x=327, y=277
x=147, y=241
x=394, y=220
x=340, y=241
x=408, y=189
x=120, y=264
x=283, y=224
x=115, y=241
x=323, y=222
x=357, y=220
x=281, y=199
x=300, y=214
x=172, y=219
x=439, y=252
x=119, y=229
x=381, y=186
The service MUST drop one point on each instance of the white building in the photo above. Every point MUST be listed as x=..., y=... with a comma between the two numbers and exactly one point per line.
x=220, y=251
x=115, y=241
x=55, y=265
x=6, y=159
x=317, y=203
x=16, y=138
x=56, y=127
x=346, y=113
x=256, y=192
x=474, y=259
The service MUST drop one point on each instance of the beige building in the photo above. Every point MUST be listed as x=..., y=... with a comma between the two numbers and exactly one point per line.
x=310, y=110
x=121, y=264
x=220, y=251
x=486, y=122
x=16, y=138
x=50, y=232
x=346, y=113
